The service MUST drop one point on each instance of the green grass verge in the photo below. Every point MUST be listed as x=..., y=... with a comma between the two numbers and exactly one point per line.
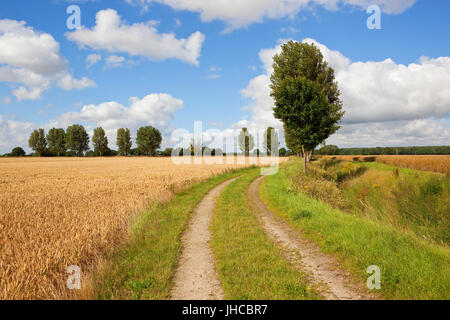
x=406, y=199
x=250, y=266
x=414, y=201
x=144, y=267
x=410, y=268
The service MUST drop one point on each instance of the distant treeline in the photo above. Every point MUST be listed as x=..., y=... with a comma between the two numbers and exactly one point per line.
x=136, y=152
x=424, y=150
x=74, y=142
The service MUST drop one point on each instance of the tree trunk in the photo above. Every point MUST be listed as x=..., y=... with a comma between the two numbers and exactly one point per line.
x=308, y=156
x=304, y=159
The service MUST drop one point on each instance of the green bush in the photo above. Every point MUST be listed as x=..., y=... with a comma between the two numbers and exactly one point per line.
x=17, y=152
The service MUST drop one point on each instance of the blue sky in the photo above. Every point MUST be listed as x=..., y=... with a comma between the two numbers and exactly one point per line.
x=395, y=81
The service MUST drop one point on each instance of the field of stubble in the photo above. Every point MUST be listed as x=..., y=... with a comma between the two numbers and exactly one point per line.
x=60, y=212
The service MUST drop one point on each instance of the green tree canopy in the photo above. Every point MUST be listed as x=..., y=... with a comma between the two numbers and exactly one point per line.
x=167, y=152
x=37, y=141
x=306, y=61
x=196, y=147
x=100, y=141
x=301, y=73
x=148, y=140
x=328, y=150
x=246, y=141
x=17, y=152
x=271, y=141
x=57, y=141
x=306, y=113
x=291, y=143
x=124, y=141
x=77, y=139
x=303, y=60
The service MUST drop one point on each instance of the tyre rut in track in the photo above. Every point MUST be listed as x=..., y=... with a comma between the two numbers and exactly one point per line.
x=196, y=276
x=322, y=270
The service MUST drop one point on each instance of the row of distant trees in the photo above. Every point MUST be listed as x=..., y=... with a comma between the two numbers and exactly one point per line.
x=422, y=150
x=74, y=141
x=271, y=142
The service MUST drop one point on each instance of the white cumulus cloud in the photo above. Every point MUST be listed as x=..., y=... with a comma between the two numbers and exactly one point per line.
x=241, y=13
x=92, y=59
x=387, y=91
x=14, y=134
x=31, y=60
x=392, y=134
x=115, y=61
x=112, y=34
x=384, y=101
x=155, y=109
x=68, y=83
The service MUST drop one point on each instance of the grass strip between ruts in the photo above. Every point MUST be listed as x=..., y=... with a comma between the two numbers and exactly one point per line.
x=250, y=266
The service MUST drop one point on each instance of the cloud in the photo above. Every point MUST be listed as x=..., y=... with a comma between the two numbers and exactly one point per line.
x=154, y=109
x=392, y=134
x=23, y=93
x=112, y=34
x=68, y=83
x=115, y=61
x=215, y=124
x=213, y=76
x=385, y=102
x=30, y=58
x=215, y=69
x=214, y=73
x=25, y=48
x=92, y=59
x=289, y=30
x=14, y=134
x=237, y=13
x=387, y=91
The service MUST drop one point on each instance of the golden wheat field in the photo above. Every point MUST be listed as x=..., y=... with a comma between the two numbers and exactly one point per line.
x=426, y=163
x=60, y=212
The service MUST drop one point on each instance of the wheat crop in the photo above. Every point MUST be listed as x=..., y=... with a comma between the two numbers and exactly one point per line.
x=426, y=163
x=60, y=212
